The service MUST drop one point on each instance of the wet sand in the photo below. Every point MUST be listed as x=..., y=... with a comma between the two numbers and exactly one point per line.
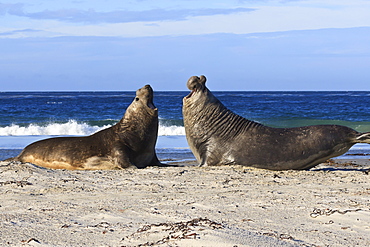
x=186, y=206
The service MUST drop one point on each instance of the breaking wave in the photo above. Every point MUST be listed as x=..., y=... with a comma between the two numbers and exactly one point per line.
x=74, y=128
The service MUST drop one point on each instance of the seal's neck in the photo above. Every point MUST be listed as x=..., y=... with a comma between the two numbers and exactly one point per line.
x=212, y=116
x=139, y=123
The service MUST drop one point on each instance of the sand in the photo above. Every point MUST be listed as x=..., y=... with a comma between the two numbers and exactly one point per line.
x=186, y=206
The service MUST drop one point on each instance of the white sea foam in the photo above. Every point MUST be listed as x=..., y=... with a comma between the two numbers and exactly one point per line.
x=171, y=130
x=72, y=127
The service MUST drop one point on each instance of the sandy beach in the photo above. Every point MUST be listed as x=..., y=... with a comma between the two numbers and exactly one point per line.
x=186, y=206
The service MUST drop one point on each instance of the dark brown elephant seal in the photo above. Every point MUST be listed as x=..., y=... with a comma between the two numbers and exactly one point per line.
x=129, y=143
x=217, y=136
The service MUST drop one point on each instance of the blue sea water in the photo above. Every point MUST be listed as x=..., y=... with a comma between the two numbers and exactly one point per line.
x=29, y=116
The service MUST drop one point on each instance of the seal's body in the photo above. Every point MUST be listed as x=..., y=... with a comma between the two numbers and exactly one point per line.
x=217, y=136
x=129, y=143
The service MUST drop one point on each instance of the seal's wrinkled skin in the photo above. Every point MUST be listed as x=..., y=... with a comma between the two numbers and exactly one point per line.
x=129, y=143
x=217, y=136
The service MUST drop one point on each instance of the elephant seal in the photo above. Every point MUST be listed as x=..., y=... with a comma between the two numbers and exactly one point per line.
x=217, y=136
x=129, y=143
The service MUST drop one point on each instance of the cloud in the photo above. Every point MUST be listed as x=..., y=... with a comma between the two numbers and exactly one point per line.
x=12, y=9
x=120, y=16
x=14, y=32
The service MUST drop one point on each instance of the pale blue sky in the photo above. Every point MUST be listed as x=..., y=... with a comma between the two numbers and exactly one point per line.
x=238, y=45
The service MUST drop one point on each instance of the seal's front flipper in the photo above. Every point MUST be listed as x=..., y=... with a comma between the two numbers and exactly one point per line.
x=156, y=162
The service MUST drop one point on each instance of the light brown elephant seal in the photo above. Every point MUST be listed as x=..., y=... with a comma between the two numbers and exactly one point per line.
x=217, y=136
x=129, y=143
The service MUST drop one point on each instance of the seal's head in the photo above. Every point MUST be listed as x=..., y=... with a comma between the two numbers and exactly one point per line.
x=144, y=97
x=141, y=114
x=196, y=85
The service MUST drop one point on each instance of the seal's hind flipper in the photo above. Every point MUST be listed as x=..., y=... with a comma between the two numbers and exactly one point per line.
x=363, y=138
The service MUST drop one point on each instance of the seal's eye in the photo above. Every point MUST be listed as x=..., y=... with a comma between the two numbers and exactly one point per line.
x=137, y=99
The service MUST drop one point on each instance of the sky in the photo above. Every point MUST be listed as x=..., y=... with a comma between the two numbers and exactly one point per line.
x=244, y=45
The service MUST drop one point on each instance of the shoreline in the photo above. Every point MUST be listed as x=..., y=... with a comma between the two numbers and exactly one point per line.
x=328, y=205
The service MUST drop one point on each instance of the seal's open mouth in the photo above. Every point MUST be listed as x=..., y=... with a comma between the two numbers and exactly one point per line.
x=190, y=94
x=151, y=106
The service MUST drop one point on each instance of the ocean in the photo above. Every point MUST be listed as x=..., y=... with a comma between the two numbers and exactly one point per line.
x=29, y=116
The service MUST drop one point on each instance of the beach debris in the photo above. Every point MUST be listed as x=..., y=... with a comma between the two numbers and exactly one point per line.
x=31, y=240
x=281, y=236
x=247, y=220
x=20, y=183
x=327, y=212
x=174, y=231
x=47, y=209
x=357, y=154
x=334, y=163
x=103, y=224
x=182, y=172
